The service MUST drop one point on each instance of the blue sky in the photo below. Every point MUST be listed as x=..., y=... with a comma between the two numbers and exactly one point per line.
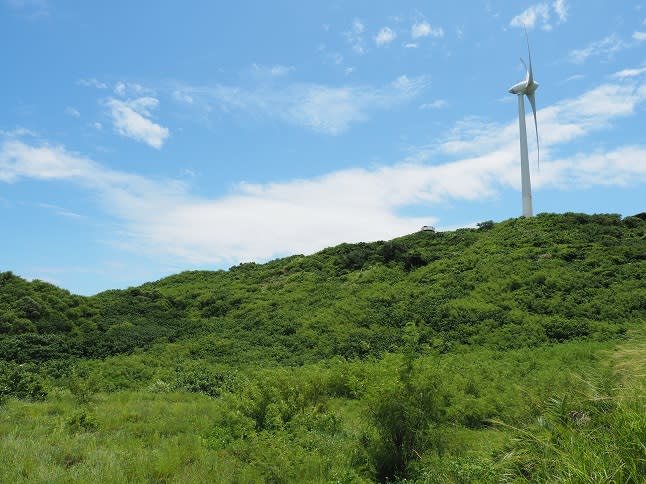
x=140, y=139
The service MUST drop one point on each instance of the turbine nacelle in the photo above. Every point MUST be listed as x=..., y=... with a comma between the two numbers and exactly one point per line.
x=523, y=87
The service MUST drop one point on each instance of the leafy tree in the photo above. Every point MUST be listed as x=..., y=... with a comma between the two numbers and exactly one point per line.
x=404, y=413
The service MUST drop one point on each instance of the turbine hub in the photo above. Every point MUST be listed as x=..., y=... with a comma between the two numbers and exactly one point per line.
x=531, y=88
x=524, y=87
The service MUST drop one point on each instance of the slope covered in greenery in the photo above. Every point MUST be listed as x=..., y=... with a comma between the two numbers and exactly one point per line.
x=468, y=356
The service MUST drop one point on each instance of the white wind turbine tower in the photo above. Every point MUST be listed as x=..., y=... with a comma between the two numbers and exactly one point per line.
x=526, y=88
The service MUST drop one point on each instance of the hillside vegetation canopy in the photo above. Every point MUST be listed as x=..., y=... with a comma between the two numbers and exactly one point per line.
x=478, y=355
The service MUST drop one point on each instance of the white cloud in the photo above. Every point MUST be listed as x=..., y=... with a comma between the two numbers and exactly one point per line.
x=305, y=215
x=604, y=47
x=321, y=108
x=355, y=38
x=561, y=10
x=437, y=104
x=276, y=70
x=92, y=83
x=297, y=216
x=17, y=133
x=18, y=160
x=421, y=29
x=120, y=89
x=409, y=86
x=424, y=29
x=620, y=167
x=629, y=73
x=180, y=96
x=72, y=112
x=131, y=119
x=385, y=36
x=574, y=77
x=411, y=45
x=539, y=13
x=559, y=123
x=131, y=88
x=60, y=211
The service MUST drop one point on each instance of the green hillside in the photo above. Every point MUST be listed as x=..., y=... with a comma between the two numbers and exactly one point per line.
x=513, y=352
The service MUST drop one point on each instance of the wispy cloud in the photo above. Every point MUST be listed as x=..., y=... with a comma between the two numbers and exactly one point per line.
x=321, y=108
x=305, y=215
x=385, y=36
x=182, y=97
x=629, y=73
x=19, y=160
x=605, y=47
x=437, y=104
x=131, y=88
x=120, y=89
x=130, y=118
x=69, y=110
x=92, y=83
x=560, y=123
x=61, y=211
x=275, y=70
x=539, y=13
x=639, y=36
x=354, y=37
x=424, y=29
x=17, y=133
x=561, y=10
x=574, y=77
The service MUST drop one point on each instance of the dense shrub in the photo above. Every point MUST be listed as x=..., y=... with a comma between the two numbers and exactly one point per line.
x=20, y=381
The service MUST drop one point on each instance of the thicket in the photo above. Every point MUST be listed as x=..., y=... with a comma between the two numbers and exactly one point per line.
x=477, y=355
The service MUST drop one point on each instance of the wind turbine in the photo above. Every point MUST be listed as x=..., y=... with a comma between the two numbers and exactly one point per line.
x=526, y=88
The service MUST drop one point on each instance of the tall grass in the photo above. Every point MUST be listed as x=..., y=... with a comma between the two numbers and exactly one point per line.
x=422, y=416
x=594, y=434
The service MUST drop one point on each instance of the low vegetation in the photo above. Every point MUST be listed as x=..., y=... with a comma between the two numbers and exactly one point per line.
x=508, y=353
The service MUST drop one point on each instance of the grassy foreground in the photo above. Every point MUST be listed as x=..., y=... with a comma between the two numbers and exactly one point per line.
x=515, y=352
x=572, y=412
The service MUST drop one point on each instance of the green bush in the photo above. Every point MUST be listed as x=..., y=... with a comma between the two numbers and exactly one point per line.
x=82, y=421
x=20, y=382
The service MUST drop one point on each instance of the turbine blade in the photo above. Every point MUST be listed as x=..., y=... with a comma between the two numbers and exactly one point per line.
x=532, y=101
x=526, y=81
x=530, y=75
